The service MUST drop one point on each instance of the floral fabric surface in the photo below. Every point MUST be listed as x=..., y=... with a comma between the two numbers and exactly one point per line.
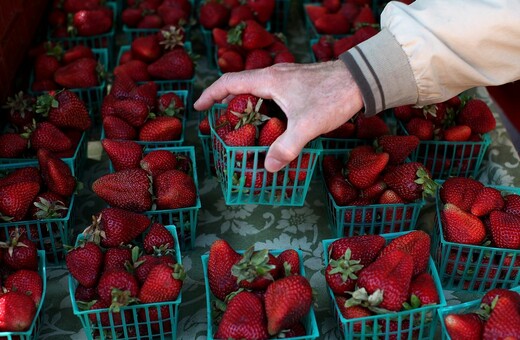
x=264, y=226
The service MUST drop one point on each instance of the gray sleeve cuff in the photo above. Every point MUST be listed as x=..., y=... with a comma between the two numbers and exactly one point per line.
x=381, y=69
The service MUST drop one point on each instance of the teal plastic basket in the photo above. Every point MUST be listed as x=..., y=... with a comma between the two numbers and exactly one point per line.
x=370, y=219
x=135, y=319
x=473, y=267
x=101, y=41
x=467, y=307
x=422, y=322
x=50, y=235
x=171, y=85
x=205, y=142
x=280, y=191
x=447, y=159
x=34, y=330
x=309, y=320
x=91, y=96
x=183, y=94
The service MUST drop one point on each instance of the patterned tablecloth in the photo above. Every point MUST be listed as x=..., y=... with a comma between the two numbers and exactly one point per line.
x=264, y=226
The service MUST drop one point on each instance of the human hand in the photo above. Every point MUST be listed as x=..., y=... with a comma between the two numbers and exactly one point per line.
x=316, y=98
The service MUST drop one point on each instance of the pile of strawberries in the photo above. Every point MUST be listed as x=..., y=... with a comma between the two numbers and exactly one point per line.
x=369, y=277
x=112, y=273
x=158, y=181
x=160, y=56
x=230, y=13
x=249, y=46
x=378, y=175
x=360, y=127
x=54, y=121
x=80, y=18
x=329, y=48
x=498, y=317
x=56, y=68
x=338, y=17
x=154, y=14
x=136, y=112
x=264, y=295
x=21, y=286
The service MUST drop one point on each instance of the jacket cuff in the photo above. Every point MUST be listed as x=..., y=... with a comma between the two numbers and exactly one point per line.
x=382, y=72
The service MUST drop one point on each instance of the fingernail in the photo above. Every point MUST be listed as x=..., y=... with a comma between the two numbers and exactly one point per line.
x=273, y=164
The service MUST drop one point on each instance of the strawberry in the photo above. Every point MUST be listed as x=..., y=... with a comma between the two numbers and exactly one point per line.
x=146, y=48
x=256, y=270
x=460, y=226
x=394, y=213
x=490, y=295
x=487, y=200
x=93, y=22
x=417, y=244
x=158, y=238
x=158, y=161
x=213, y=14
x=73, y=6
x=323, y=49
x=117, y=258
x=342, y=45
x=126, y=189
x=284, y=57
x=81, y=73
x=504, y=229
x=244, y=318
x=353, y=312
x=85, y=294
x=230, y=61
x=296, y=330
x=469, y=326
x=162, y=128
x=364, y=248
x=504, y=321
x=341, y=190
x=174, y=189
x=250, y=35
x=341, y=274
x=28, y=282
x=144, y=264
x=116, y=128
x=458, y=133
x=20, y=110
x=331, y=166
x=18, y=312
x=174, y=65
x=137, y=70
x=300, y=166
x=45, y=66
x=332, y=23
x=170, y=104
x=257, y=58
x=47, y=136
x=222, y=257
x=123, y=154
x=132, y=111
x=163, y=283
x=150, y=21
x=118, y=286
x=364, y=171
x=332, y=5
x=349, y=10
x=241, y=106
x=398, y=147
x=314, y=11
x=20, y=253
x=374, y=191
x=371, y=127
x=263, y=9
x=388, y=279
x=64, y=109
x=460, y=191
x=118, y=226
x=290, y=261
x=48, y=205
x=512, y=204
x=56, y=173
x=423, y=288
x=12, y=145
x=287, y=301
x=411, y=181
x=243, y=136
x=220, y=37
x=25, y=174
x=77, y=52
x=364, y=17
x=477, y=115
x=421, y=128
x=131, y=16
x=16, y=199
x=84, y=263
x=239, y=14
x=146, y=93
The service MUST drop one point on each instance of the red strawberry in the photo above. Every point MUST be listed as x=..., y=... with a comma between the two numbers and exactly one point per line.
x=460, y=191
x=239, y=14
x=84, y=263
x=332, y=23
x=56, y=173
x=132, y=111
x=460, y=226
x=263, y=9
x=353, y=312
x=256, y=270
x=374, y=191
x=398, y=147
x=458, y=133
x=240, y=107
x=287, y=301
x=389, y=278
x=163, y=283
x=230, y=61
x=146, y=93
x=162, y=128
x=477, y=115
x=469, y=326
x=174, y=65
x=512, y=204
x=116, y=128
x=342, y=45
x=65, y=110
x=487, y=200
x=490, y=295
x=150, y=21
x=332, y=5
x=300, y=166
x=220, y=37
x=411, y=181
x=364, y=17
x=314, y=11
x=250, y=35
x=18, y=311
x=170, y=104
x=45, y=66
x=16, y=199
x=117, y=258
x=174, y=189
x=284, y=57
x=394, y=214
x=123, y=154
x=204, y=127
x=349, y=10
x=81, y=73
x=258, y=59
x=417, y=244
x=146, y=48
x=27, y=282
x=158, y=238
x=341, y=190
x=341, y=274
x=504, y=321
x=25, y=174
x=213, y=14
x=20, y=110
x=323, y=49
x=244, y=318
x=93, y=22
x=77, y=52
x=243, y=136
x=126, y=56
x=332, y=166
x=421, y=128
x=363, y=171
x=85, y=294
x=48, y=205
x=371, y=127
x=423, y=288
x=290, y=261
x=365, y=248
x=126, y=189
x=271, y=130
x=158, y=161
x=135, y=69
x=222, y=257
x=47, y=136
x=504, y=229
x=118, y=286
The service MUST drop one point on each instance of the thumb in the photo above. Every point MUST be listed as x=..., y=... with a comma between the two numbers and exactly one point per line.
x=285, y=148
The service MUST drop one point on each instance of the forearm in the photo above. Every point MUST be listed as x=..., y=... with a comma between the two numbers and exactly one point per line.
x=434, y=49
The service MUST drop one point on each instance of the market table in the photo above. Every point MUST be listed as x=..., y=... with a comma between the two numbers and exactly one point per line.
x=264, y=226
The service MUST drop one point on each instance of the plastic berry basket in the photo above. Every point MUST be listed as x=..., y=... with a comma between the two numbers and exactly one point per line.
x=136, y=321
x=280, y=191
x=50, y=235
x=91, y=96
x=171, y=85
x=205, y=141
x=183, y=94
x=467, y=307
x=474, y=267
x=105, y=40
x=34, y=330
x=309, y=320
x=446, y=159
x=422, y=321
x=370, y=219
